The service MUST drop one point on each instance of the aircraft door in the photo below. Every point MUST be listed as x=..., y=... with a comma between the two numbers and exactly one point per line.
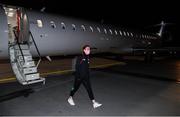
x=23, y=26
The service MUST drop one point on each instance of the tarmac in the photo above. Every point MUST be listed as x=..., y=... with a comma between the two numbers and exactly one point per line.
x=125, y=88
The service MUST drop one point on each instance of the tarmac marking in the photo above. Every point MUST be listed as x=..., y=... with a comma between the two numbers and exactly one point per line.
x=7, y=80
x=11, y=79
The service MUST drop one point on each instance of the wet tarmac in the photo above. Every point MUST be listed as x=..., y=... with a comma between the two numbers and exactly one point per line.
x=135, y=88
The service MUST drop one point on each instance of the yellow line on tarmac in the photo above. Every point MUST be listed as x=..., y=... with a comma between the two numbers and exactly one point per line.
x=108, y=65
x=62, y=72
x=7, y=79
x=56, y=72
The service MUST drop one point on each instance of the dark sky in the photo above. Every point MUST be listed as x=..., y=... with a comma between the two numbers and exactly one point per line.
x=128, y=13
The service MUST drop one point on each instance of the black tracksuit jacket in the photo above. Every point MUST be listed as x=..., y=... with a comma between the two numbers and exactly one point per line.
x=82, y=76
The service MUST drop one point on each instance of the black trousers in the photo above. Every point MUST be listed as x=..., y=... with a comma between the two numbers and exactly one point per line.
x=86, y=82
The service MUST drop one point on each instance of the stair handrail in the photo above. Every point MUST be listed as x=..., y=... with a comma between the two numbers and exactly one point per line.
x=17, y=40
x=36, y=49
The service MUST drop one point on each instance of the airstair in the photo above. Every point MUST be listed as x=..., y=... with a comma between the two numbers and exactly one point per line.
x=22, y=63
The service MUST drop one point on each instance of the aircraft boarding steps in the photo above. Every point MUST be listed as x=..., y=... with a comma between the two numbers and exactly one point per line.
x=23, y=64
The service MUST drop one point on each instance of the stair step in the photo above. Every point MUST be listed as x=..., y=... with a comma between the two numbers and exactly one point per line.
x=35, y=81
x=27, y=64
x=29, y=70
x=23, y=47
x=25, y=71
x=32, y=76
x=25, y=53
x=26, y=58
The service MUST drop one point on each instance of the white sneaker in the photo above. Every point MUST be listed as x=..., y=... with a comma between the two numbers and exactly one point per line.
x=71, y=101
x=96, y=104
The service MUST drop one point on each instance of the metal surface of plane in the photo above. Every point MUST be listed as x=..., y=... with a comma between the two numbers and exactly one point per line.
x=26, y=33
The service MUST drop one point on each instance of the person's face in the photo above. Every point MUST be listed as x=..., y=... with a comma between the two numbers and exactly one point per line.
x=87, y=50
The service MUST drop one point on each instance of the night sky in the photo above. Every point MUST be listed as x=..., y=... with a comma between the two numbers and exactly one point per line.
x=128, y=13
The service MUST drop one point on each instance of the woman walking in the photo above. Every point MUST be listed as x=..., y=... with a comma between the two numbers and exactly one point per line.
x=82, y=77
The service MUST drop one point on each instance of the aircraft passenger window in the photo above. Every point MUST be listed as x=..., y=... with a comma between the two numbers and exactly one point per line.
x=135, y=35
x=83, y=28
x=53, y=25
x=105, y=31
x=132, y=34
x=124, y=33
x=39, y=23
x=91, y=29
x=110, y=31
x=63, y=26
x=73, y=27
x=120, y=33
x=127, y=33
x=142, y=36
x=98, y=29
x=116, y=32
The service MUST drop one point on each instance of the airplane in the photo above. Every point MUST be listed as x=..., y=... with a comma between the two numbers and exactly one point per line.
x=25, y=33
